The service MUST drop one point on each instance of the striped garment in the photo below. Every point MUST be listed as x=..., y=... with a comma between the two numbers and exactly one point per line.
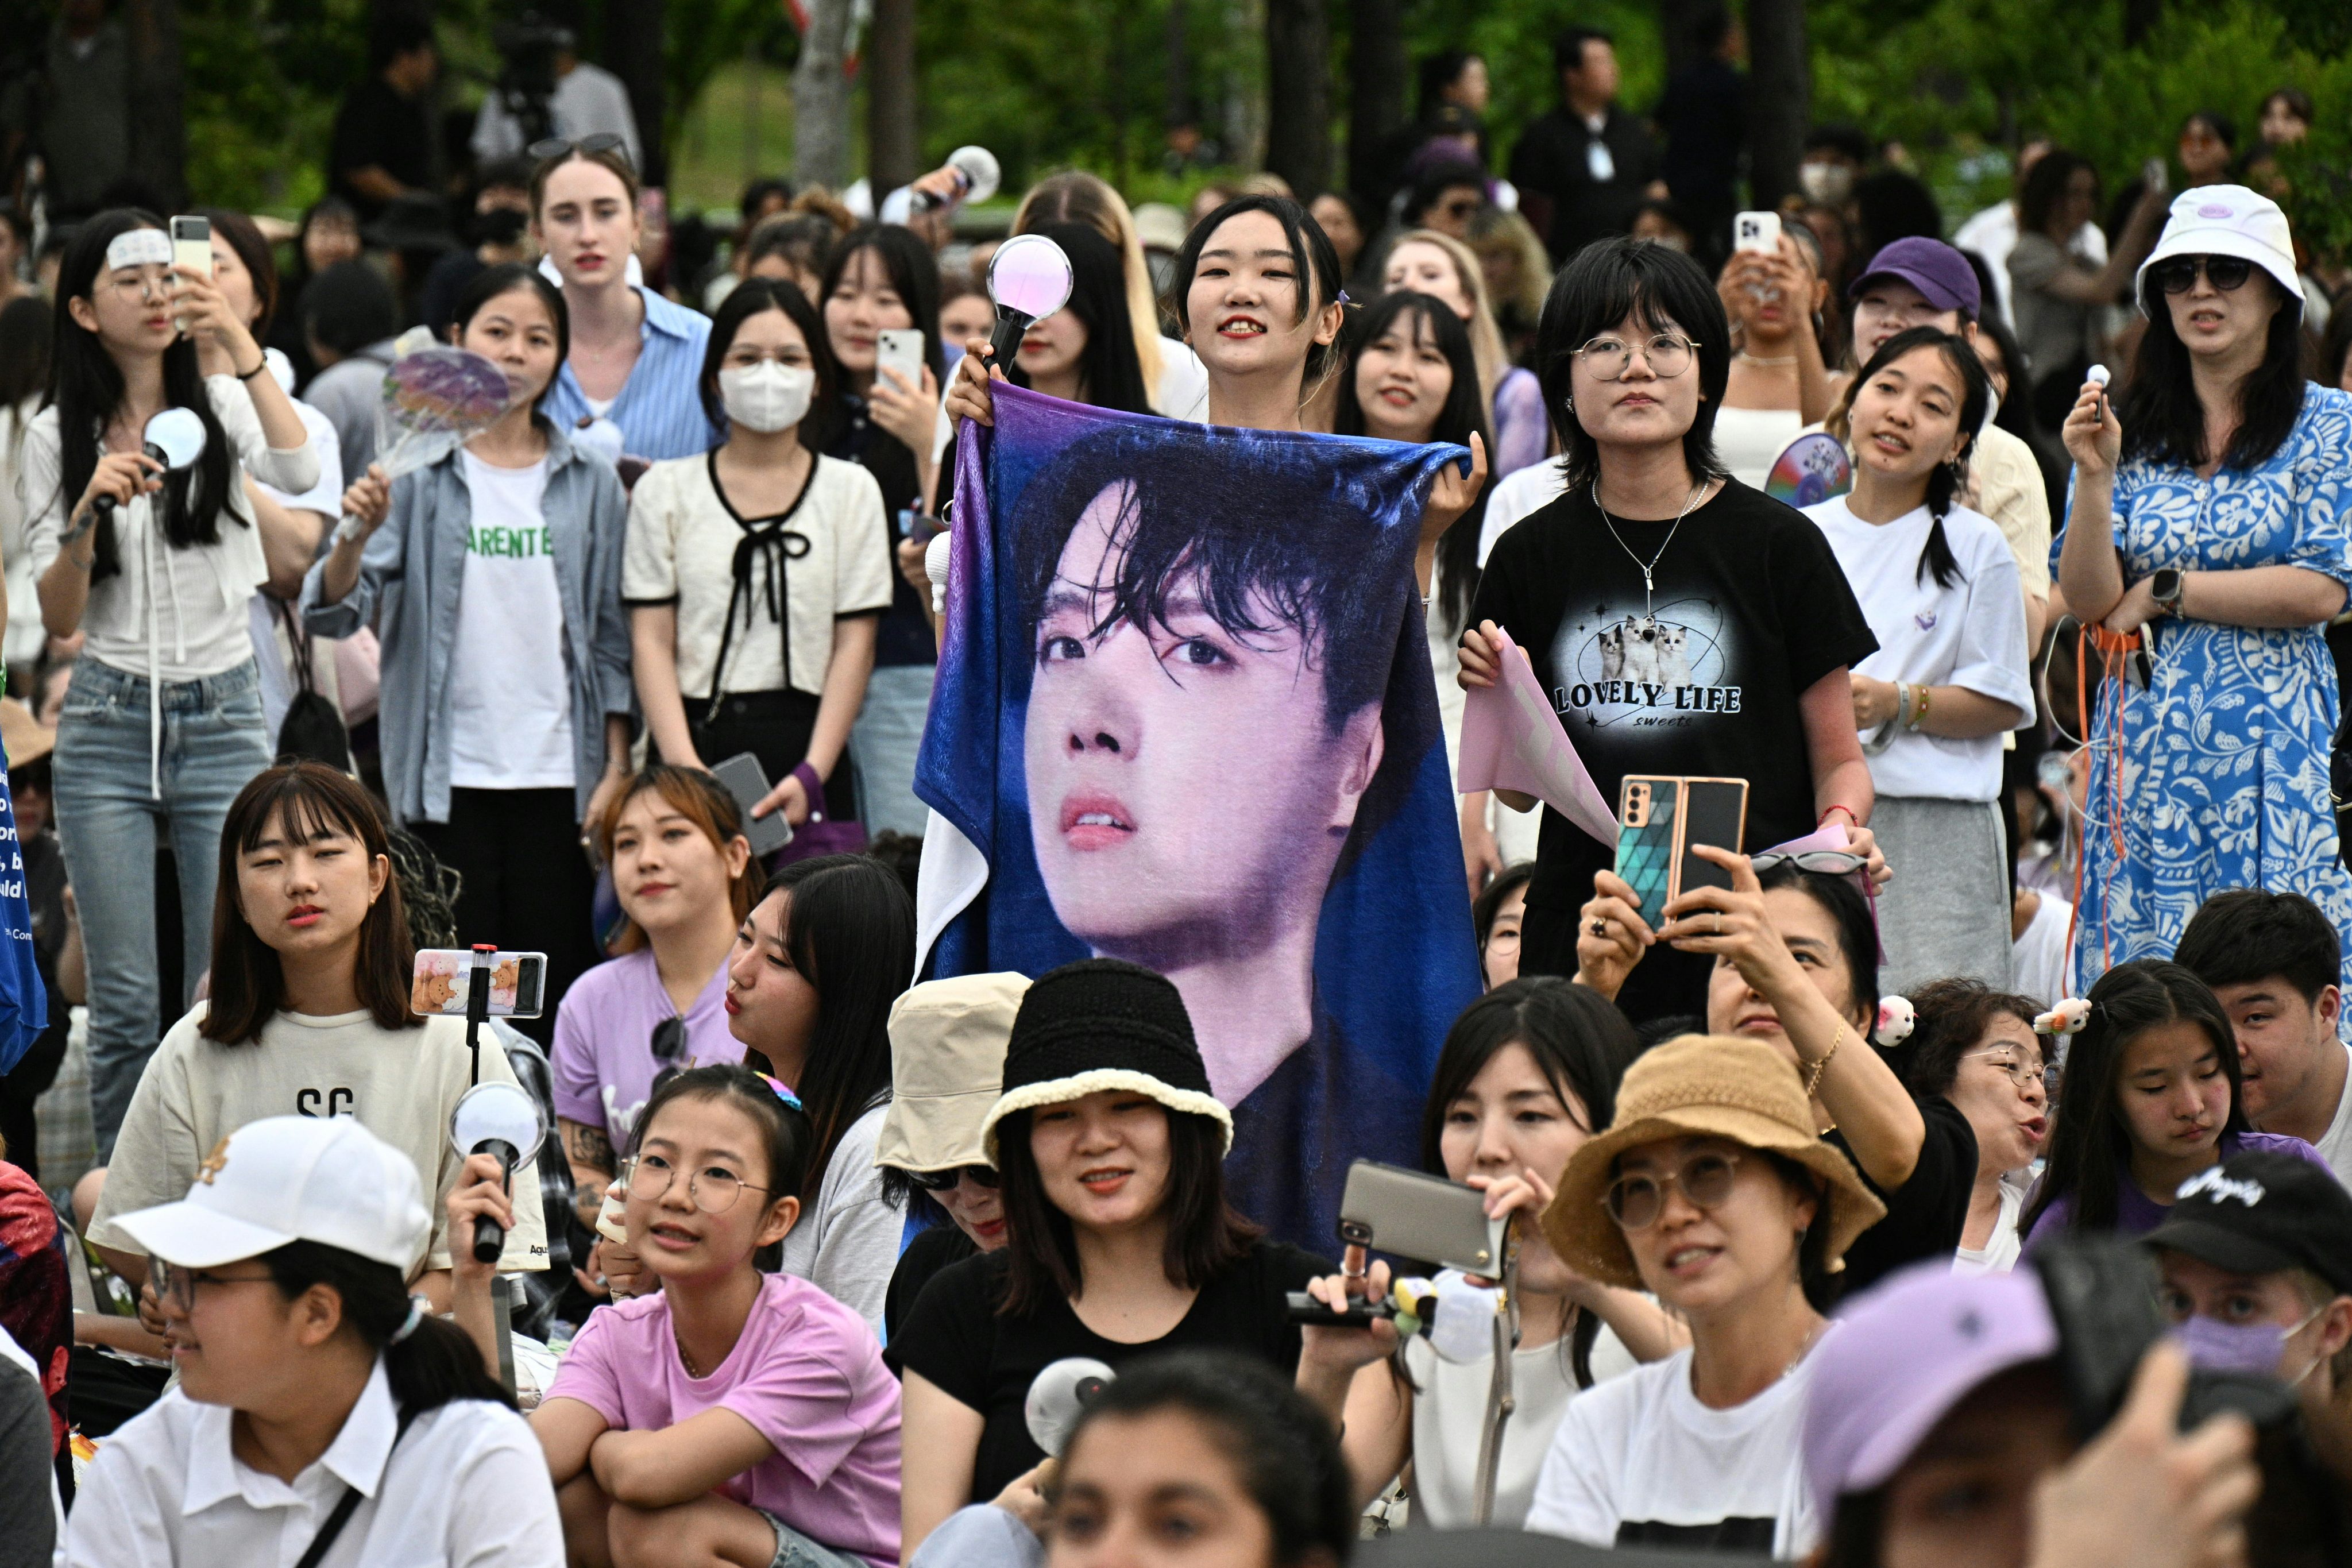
x=659, y=410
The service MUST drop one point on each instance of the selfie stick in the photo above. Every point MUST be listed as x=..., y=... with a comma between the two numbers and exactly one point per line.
x=1500, y=1399
x=477, y=1011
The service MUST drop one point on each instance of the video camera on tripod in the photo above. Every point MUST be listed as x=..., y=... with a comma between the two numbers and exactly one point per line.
x=528, y=47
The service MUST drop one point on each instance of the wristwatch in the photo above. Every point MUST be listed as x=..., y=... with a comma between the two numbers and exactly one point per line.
x=2165, y=587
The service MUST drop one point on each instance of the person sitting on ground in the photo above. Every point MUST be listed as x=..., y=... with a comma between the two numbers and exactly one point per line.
x=2274, y=962
x=309, y=1374
x=737, y=1414
x=1976, y=1048
x=946, y=1068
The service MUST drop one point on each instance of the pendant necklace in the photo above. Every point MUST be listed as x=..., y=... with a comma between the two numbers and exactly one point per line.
x=1649, y=568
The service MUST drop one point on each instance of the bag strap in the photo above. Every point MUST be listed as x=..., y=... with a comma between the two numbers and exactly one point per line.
x=349, y=1504
x=298, y=642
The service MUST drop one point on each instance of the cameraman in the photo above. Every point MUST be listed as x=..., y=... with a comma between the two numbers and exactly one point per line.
x=383, y=141
x=544, y=78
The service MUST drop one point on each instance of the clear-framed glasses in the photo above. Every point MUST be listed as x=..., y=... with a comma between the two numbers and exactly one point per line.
x=1636, y=1202
x=713, y=1188
x=142, y=283
x=2021, y=1072
x=178, y=1285
x=1668, y=354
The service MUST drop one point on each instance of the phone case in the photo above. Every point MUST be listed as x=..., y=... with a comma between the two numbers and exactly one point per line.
x=747, y=781
x=907, y=360
x=1659, y=817
x=1427, y=1218
x=444, y=979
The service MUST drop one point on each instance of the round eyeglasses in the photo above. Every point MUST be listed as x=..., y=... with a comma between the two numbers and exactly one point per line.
x=1668, y=354
x=713, y=1189
x=1636, y=1201
x=2023, y=1073
x=178, y=1285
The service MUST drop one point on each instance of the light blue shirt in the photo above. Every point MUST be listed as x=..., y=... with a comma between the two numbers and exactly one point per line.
x=659, y=410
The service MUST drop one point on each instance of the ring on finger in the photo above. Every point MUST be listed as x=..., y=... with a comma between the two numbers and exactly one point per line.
x=1599, y=925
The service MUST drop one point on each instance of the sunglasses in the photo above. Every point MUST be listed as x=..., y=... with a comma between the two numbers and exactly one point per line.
x=1636, y=1202
x=564, y=146
x=947, y=1180
x=2226, y=273
x=669, y=1046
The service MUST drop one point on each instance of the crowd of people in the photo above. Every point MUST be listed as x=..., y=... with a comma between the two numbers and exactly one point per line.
x=1909, y=1188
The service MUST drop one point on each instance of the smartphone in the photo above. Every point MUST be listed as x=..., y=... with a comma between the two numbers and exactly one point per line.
x=444, y=977
x=1661, y=820
x=1757, y=232
x=1412, y=1214
x=747, y=781
x=192, y=248
x=918, y=526
x=2154, y=175
x=900, y=349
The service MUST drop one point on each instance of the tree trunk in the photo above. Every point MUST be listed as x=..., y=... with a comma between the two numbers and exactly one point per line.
x=1377, y=72
x=633, y=51
x=1675, y=25
x=821, y=99
x=1780, y=96
x=159, y=129
x=893, y=154
x=2139, y=16
x=1298, y=92
x=1178, y=48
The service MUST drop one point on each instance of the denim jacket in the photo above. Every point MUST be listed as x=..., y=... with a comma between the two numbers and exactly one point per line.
x=410, y=577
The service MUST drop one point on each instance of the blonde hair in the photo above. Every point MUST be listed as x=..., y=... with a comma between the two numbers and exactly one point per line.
x=1496, y=233
x=1076, y=196
x=1486, y=337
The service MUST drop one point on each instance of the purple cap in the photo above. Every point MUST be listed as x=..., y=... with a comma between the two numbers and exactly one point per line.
x=1903, y=1355
x=1931, y=267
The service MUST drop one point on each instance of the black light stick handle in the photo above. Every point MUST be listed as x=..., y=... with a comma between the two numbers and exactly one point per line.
x=489, y=1235
x=1005, y=340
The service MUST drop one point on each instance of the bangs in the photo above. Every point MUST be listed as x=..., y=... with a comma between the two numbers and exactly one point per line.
x=308, y=810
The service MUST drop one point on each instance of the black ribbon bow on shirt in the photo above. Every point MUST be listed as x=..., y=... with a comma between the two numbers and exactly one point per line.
x=771, y=545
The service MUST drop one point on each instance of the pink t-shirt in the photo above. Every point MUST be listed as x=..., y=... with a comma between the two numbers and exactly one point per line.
x=807, y=1373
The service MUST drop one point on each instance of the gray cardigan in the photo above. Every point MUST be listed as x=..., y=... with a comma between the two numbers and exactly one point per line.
x=410, y=577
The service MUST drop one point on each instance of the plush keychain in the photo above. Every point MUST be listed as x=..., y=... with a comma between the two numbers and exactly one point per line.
x=1897, y=1019
x=2066, y=1018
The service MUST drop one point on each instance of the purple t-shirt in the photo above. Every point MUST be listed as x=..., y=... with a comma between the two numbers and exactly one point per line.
x=603, y=1061
x=2136, y=1214
x=807, y=1375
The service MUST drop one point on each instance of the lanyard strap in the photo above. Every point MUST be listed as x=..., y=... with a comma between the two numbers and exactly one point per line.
x=349, y=1504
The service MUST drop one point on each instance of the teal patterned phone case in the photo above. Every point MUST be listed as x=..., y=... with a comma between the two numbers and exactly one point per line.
x=1646, y=843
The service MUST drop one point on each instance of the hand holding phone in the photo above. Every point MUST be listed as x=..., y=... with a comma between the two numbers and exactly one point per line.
x=900, y=349
x=1660, y=819
x=747, y=781
x=1757, y=233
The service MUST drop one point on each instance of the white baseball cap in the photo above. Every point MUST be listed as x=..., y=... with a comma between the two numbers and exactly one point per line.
x=2226, y=220
x=291, y=1178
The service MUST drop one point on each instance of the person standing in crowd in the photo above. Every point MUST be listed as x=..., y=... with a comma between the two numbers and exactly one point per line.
x=78, y=111
x=309, y=1374
x=1753, y=613
x=2057, y=299
x=589, y=103
x=1949, y=677
x=349, y=316
x=2260, y=1255
x=1110, y=1149
x=1495, y=914
x=27, y=330
x=1778, y=383
x=2207, y=145
x=163, y=726
x=1528, y=1073
x=1350, y=234
x=683, y=874
x=309, y=1015
x=1584, y=167
x=1448, y=190
x=883, y=279
x=635, y=358
x=756, y=571
x=1173, y=374
x=1709, y=1190
x=947, y=1068
x=1414, y=378
x=1990, y=234
x=497, y=232
x=1976, y=1048
x=2208, y=520
x=383, y=142
x=1704, y=117
x=329, y=233
x=495, y=591
x=1083, y=351
x=2152, y=1099
x=1445, y=267
x=2275, y=964
x=793, y=248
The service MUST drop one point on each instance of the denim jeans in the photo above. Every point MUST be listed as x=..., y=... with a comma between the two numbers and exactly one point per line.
x=885, y=740
x=795, y=1550
x=214, y=743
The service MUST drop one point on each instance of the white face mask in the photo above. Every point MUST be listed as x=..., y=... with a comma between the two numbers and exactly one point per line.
x=767, y=396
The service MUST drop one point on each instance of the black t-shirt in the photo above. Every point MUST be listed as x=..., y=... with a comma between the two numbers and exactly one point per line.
x=930, y=1253
x=1925, y=1215
x=377, y=128
x=1700, y=678
x=958, y=1341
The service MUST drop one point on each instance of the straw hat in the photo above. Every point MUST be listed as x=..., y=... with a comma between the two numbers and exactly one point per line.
x=1702, y=1086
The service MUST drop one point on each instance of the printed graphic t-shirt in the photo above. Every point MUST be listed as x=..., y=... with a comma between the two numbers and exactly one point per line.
x=1700, y=677
x=510, y=698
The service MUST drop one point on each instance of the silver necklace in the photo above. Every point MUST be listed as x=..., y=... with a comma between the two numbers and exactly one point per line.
x=1649, y=567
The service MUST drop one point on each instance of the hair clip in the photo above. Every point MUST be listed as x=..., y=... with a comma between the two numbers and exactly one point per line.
x=782, y=1092
x=2066, y=1018
x=1343, y=299
x=1897, y=1019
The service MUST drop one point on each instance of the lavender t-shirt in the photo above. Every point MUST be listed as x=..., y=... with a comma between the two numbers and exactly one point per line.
x=604, y=1061
x=2136, y=1214
x=807, y=1375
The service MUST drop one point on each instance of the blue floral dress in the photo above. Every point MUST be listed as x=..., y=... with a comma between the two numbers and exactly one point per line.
x=2224, y=757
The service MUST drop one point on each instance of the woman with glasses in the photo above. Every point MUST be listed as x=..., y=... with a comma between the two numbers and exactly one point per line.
x=2209, y=524
x=685, y=878
x=1709, y=1190
x=1976, y=1048
x=1682, y=623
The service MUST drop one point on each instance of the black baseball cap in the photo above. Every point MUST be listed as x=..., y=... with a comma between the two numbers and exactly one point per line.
x=2262, y=1213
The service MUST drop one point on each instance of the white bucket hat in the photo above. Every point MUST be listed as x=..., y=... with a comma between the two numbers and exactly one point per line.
x=291, y=1178
x=2226, y=220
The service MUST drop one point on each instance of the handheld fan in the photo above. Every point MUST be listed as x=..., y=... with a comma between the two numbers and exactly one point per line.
x=434, y=400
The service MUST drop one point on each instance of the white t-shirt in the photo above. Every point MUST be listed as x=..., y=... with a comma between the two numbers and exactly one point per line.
x=1639, y=1461
x=510, y=693
x=1184, y=389
x=1971, y=635
x=2040, y=965
x=2335, y=1145
x=587, y=100
x=846, y=1243
x=681, y=549
x=1515, y=495
x=1748, y=441
x=1449, y=1422
x=1999, y=1254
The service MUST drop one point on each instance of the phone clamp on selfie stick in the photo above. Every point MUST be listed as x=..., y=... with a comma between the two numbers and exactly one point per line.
x=478, y=1008
x=1501, y=1399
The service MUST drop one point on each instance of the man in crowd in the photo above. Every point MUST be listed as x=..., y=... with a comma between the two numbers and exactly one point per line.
x=1703, y=115
x=2274, y=961
x=589, y=100
x=78, y=111
x=383, y=142
x=1582, y=169
x=2257, y=1256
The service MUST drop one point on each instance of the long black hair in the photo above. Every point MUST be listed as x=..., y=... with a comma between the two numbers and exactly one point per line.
x=435, y=1363
x=757, y=296
x=86, y=389
x=850, y=930
x=26, y=335
x=1464, y=413
x=1857, y=927
x=2163, y=420
x=2090, y=1147
x=1311, y=255
x=1604, y=283
x=914, y=275
x=1110, y=375
x=1945, y=479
